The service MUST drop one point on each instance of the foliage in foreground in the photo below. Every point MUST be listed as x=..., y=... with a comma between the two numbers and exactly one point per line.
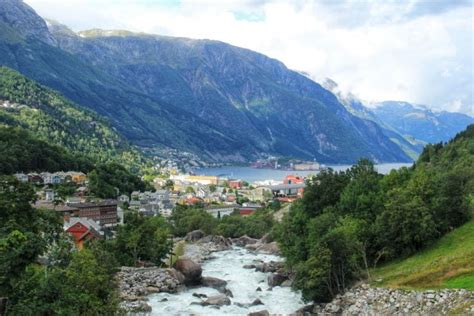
x=70, y=283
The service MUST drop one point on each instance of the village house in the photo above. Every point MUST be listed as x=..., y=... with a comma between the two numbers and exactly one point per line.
x=293, y=179
x=51, y=178
x=35, y=178
x=21, y=177
x=235, y=184
x=66, y=211
x=77, y=177
x=82, y=230
x=103, y=212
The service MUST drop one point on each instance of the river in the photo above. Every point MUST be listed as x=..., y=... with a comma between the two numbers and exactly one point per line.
x=252, y=174
x=243, y=283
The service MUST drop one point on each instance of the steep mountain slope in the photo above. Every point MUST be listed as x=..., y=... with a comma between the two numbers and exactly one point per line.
x=54, y=119
x=207, y=97
x=251, y=95
x=411, y=146
x=420, y=122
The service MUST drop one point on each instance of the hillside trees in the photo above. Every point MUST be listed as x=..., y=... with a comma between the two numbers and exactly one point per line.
x=349, y=221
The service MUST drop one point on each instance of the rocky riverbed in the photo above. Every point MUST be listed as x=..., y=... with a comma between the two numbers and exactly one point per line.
x=137, y=284
x=366, y=300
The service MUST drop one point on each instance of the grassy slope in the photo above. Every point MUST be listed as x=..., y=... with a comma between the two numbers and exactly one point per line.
x=449, y=263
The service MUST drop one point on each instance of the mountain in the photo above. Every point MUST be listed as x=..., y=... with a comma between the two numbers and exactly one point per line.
x=420, y=122
x=219, y=101
x=410, y=145
x=55, y=120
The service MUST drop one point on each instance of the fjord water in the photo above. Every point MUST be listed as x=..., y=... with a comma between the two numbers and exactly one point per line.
x=252, y=174
x=243, y=283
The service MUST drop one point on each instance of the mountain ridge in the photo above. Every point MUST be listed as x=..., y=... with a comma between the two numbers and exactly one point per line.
x=219, y=101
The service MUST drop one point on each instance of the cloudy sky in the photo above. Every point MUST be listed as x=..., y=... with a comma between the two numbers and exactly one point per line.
x=419, y=51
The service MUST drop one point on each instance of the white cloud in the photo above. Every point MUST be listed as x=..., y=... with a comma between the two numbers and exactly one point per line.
x=419, y=51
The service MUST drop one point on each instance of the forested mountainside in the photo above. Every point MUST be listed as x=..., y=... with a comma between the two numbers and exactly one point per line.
x=348, y=222
x=206, y=97
x=56, y=120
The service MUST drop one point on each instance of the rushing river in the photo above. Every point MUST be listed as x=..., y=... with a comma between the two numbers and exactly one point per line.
x=243, y=283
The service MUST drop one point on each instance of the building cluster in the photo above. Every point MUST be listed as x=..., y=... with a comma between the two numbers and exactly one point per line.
x=53, y=178
x=86, y=219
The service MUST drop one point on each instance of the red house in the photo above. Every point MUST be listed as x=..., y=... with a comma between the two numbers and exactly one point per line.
x=246, y=211
x=235, y=184
x=293, y=179
x=82, y=230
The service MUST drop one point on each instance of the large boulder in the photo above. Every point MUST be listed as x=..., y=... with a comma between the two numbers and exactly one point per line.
x=195, y=235
x=215, y=283
x=218, y=242
x=244, y=241
x=270, y=248
x=190, y=269
x=218, y=300
x=276, y=279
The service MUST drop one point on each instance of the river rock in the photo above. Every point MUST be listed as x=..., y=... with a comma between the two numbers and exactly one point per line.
x=195, y=235
x=249, y=266
x=276, y=279
x=135, y=283
x=136, y=307
x=218, y=300
x=257, y=301
x=366, y=300
x=190, y=269
x=287, y=283
x=260, y=313
x=215, y=283
x=271, y=266
x=199, y=295
x=228, y=293
x=266, y=239
x=244, y=241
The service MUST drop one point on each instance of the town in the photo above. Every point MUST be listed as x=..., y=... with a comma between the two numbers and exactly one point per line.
x=87, y=217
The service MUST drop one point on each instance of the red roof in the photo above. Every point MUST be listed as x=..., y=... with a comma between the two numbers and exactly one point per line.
x=246, y=211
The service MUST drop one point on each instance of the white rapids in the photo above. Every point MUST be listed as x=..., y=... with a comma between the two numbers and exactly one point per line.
x=243, y=283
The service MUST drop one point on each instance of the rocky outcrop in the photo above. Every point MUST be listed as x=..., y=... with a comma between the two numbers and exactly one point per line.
x=277, y=278
x=191, y=270
x=136, y=306
x=215, y=283
x=270, y=248
x=216, y=242
x=244, y=241
x=271, y=266
x=366, y=300
x=135, y=283
x=195, y=235
x=24, y=19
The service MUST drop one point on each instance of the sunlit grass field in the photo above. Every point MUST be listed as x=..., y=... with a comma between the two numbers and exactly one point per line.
x=448, y=263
